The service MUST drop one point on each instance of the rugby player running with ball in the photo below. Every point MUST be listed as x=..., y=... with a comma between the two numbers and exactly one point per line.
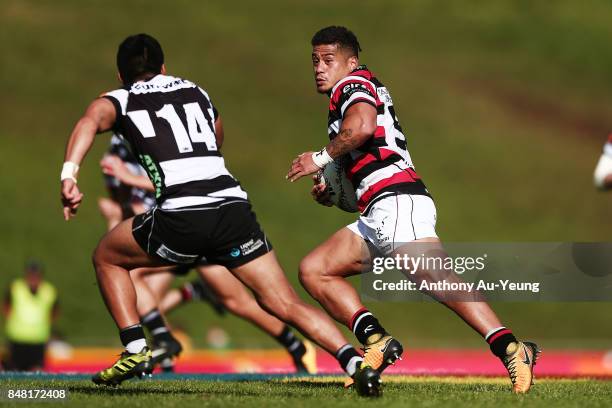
x=396, y=210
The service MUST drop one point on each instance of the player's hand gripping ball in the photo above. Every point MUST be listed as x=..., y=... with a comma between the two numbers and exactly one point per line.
x=340, y=189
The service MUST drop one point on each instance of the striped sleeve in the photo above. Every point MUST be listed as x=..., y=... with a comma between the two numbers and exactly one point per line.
x=119, y=99
x=354, y=91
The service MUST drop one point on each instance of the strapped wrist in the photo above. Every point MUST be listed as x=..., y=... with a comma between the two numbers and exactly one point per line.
x=69, y=171
x=321, y=158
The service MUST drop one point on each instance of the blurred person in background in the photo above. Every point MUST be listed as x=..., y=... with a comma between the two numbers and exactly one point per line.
x=30, y=308
x=603, y=172
x=129, y=190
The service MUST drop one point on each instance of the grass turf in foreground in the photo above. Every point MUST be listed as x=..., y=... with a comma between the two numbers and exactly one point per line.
x=322, y=392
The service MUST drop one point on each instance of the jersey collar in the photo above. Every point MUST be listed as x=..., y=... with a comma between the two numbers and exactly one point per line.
x=361, y=70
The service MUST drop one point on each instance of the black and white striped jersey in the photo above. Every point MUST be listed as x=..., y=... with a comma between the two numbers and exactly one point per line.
x=170, y=125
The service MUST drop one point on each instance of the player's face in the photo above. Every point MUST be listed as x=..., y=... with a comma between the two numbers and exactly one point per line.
x=33, y=279
x=330, y=64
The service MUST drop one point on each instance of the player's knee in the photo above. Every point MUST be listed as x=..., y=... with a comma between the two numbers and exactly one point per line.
x=99, y=257
x=280, y=306
x=311, y=271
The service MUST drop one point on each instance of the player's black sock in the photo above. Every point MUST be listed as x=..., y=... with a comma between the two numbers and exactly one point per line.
x=349, y=359
x=156, y=325
x=499, y=339
x=366, y=327
x=133, y=338
x=294, y=346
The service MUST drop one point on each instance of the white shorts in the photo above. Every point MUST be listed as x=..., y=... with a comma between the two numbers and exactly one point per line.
x=395, y=220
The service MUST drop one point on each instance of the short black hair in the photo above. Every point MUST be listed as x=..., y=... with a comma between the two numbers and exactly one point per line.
x=138, y=55
x=33, y=266
x=337, y=35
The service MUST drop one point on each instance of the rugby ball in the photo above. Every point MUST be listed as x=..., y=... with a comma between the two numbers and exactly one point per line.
x=341, y=190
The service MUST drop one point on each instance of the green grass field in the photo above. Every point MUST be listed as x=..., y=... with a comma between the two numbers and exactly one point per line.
x=505, y=104
x=306, y=392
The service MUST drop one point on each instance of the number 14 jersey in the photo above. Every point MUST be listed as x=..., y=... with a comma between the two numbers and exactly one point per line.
x=170, y=124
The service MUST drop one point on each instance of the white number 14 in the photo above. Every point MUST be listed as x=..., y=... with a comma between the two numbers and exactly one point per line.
x=197, y=130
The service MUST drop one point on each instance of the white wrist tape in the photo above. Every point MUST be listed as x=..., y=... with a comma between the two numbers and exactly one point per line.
x=69, y=171
x=321, y=158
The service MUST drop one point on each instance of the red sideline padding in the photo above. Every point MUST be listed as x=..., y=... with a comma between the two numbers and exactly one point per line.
x=566, y=363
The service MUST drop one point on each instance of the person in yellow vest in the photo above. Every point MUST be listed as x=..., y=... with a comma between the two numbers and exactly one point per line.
x=30, y=307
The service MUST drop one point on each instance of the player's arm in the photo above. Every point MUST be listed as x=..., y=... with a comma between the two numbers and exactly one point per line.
x=358, y=125
x=99, y=117
x=113, y=166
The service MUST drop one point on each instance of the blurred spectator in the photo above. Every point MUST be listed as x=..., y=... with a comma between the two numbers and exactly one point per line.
x=30, y=307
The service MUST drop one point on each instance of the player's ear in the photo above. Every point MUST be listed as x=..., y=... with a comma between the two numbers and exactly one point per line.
x=163, y=69
x=353, y=62
x=119, y=77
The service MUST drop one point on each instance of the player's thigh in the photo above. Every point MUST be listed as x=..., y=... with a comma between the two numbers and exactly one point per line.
x=423, y=246
x=343, y=254
x=158, y=279
x=432, y=256
x=222, y=282
x=265, y=277
x=109, y=208
x=118, y=247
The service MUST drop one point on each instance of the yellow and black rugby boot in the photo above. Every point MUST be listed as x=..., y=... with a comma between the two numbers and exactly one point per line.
x=307, y=362
x=163, y=354
x=380, y=354
x=129, y=365
x=519, y=361
x=367, y=381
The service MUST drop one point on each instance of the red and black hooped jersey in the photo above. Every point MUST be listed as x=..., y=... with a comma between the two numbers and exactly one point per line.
x=382, y=165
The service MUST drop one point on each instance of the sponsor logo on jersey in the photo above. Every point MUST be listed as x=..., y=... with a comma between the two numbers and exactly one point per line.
x=357, y=86
x=384, y=95
x=235, y=253
x=151, y=168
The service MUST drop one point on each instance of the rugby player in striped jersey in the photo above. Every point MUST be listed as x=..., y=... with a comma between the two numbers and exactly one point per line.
x=397, y=213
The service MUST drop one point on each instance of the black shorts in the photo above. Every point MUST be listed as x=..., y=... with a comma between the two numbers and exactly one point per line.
x=227, y=234
x=25, y=356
